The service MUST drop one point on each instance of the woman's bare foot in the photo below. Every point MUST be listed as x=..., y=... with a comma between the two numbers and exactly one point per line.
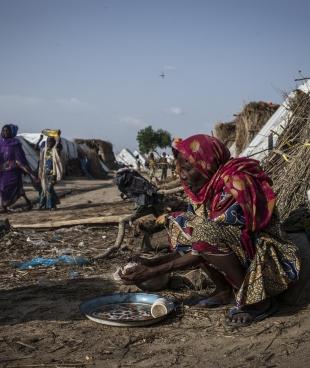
x=244, y=316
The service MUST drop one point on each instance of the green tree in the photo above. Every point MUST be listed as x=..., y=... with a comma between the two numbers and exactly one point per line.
x=163, y=138
x=150, y=139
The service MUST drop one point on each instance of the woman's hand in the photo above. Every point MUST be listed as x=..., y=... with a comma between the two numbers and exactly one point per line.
x=162, y=219
x=137, y=274
x=149, y=262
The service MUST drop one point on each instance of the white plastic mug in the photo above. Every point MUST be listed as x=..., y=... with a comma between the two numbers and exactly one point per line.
x=161, y=307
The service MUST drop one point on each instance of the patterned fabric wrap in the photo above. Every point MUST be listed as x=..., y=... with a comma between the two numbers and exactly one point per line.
x=242, y=179
x=276, y=263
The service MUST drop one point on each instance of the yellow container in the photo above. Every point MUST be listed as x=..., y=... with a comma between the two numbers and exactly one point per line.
x=51, y=133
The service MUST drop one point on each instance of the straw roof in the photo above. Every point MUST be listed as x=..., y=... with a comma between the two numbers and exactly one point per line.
x=225, y=132
x=103, y=148
x=249, y=122
x=288, y=164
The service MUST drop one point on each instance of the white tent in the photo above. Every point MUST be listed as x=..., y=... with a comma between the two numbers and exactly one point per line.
x=69, y=149
x=32, y=155
x=141, y=157
x=127, y=158
x=28, y=140
x=258, y=148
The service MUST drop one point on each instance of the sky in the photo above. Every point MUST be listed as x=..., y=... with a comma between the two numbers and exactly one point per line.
x=92, y=67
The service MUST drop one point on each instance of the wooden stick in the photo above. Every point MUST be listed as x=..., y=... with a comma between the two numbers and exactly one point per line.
x=67, y=223
x=120, y=236
x=119, y=239
x=170, y=185
x=171, y=191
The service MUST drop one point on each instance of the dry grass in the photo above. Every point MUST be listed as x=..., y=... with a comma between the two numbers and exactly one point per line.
x=288, y=164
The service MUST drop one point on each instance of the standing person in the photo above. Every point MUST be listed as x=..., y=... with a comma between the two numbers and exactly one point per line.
x=232, y=227
x=152, y=166
x=13, y=163
x=164, y=166
x=50, y=171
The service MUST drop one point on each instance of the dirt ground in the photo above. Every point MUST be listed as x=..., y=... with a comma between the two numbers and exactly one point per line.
x=41, y=325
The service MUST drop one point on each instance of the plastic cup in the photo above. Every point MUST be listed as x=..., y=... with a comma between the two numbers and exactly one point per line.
x=161, y=307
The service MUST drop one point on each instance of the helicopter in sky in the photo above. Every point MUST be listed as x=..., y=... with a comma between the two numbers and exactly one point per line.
x=162, y=75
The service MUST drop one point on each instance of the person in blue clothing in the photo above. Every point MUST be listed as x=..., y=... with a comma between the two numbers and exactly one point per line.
x=50, y=171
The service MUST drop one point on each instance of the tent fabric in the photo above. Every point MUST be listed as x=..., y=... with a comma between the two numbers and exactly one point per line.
x=32, y=155
x=141, y=157
x=127, y=157
x=69, y=149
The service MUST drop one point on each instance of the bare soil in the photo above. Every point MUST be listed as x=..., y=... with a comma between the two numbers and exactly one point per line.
x=41, y=325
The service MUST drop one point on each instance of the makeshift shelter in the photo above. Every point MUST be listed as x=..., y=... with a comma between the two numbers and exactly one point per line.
x=258, y=147
x=288, y=163
x=69, y=152
x=69, y=149
x=93, y=163
x=249, y=122
x=103, y=149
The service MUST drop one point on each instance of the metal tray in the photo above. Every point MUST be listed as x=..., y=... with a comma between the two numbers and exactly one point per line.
x=122, y=309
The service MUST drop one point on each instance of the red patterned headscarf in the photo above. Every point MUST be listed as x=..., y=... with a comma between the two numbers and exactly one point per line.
x=241, y=178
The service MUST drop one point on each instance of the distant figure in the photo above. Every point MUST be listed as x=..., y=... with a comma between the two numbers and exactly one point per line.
x=152, y=166
x=13, y=163
x=138, y=162
x=50, y=171
x=164, y=166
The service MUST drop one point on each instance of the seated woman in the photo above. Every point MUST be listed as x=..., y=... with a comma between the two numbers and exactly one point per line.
x=13, y=164
x=232, y=228
x=50, y=171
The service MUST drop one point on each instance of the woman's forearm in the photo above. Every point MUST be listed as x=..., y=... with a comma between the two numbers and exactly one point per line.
x=178, y=263
x=162, y=259
x=26, y=168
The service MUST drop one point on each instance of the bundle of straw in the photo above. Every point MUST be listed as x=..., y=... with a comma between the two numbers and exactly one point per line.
x=289, y=164
x=249, y=122
x=226, y=132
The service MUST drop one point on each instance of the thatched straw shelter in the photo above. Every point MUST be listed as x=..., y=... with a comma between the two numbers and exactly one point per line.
x=288, y=164
x=104, y=150
x=249, y=122
x=225, y=132
x=94, y=163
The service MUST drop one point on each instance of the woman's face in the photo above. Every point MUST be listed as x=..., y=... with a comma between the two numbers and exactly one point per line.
x=50, y=142
x=6, y=132
x=189, y=174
